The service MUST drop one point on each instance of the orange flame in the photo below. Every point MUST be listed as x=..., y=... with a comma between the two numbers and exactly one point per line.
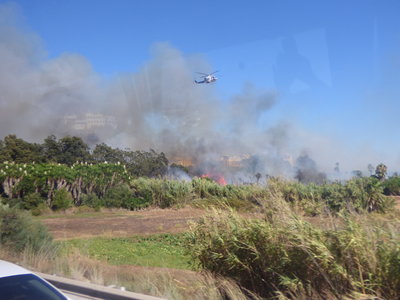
x=218, y=178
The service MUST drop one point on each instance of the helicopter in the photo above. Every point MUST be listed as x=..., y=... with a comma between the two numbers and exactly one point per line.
x=207, y=78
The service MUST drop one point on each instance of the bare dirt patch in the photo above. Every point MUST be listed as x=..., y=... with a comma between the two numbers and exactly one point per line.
x=122, y=224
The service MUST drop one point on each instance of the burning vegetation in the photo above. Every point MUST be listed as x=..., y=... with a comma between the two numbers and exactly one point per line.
x=272, y=231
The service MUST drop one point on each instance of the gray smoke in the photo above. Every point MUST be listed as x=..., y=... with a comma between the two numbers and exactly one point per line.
x=156, y=107
x=36, y=93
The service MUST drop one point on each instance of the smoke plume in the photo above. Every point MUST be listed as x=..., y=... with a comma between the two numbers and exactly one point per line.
x=157, y=107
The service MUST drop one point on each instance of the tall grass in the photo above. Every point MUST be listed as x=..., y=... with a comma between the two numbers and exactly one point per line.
x=359, y=195
x=161, y=192
x=284, y=255
x=199, y=192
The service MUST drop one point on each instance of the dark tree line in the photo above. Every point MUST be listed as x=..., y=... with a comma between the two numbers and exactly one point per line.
x=71, y=149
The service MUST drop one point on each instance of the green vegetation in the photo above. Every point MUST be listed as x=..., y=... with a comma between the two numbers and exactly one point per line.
x=70, y=150
x=164, y=250
x=391, y=186
x=61, y=200
x=65, y=169
x=47, y=181
x=381, y=171
x=349, y=246
x=19, y=231
x=331, y=240
x=283, y=254
x=39, y=187
x=357, y=194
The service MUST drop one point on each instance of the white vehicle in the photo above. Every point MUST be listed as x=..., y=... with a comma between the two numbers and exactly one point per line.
x=17, y=283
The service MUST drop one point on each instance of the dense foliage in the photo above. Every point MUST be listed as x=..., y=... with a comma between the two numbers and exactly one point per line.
x=69, y=150
x=18, y=231
x=41, y=186
x=357, y=194
x=391, y=186
x=32, y=183
x=284, y=255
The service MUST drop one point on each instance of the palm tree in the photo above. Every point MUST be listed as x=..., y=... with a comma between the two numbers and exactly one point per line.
x=381, y=171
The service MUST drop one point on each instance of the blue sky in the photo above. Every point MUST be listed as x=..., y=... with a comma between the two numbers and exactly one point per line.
x=333, y=65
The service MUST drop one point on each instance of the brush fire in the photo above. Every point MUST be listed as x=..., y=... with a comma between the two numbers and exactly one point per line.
x=218, y=178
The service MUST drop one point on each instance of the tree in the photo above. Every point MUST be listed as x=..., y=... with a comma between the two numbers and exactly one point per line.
x=373, y=198
x=73, y=149
x=51, y=149
x=20, y=151
x=4, y=155
x=103, y=152
x=381, y=171
x=142, y=163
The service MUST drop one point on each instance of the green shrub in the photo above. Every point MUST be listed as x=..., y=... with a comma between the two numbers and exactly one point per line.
x=40, y=209
x=62, y=200
x=391, y=186
x=18, y=231
x=32, y=201
x=123, y=196
x=82, y=209
x=92, y=201
x=135, y=203
x=367, y=194
x=116, y=196
x=142, y=189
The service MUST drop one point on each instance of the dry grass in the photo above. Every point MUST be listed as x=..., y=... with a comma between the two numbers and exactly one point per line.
x=120, y=224
x=160, y=282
